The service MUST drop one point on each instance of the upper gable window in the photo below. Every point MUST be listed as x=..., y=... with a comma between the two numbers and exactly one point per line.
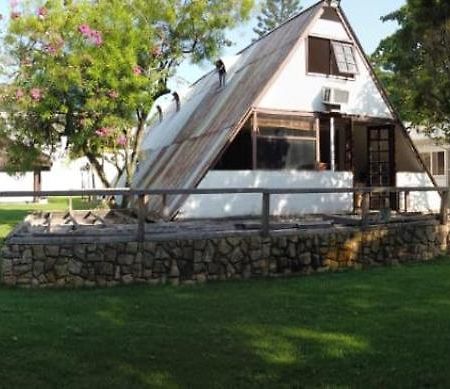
x=345, y=58
x=331, y=58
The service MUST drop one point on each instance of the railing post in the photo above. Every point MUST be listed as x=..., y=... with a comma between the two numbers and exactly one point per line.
x=164, y=205
x=443, y=218
x=265, y=216
x=406, y=201
x=365, y=208
x=70, y=204
x=142, y=216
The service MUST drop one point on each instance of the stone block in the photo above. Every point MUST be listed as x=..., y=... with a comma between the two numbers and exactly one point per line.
x=51, y=250
x=132, y=247
x=38, y=268
x=125, y=259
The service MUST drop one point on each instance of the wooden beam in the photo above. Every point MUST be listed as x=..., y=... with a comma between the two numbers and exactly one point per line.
x=254, y=141
x=443, y=218
x=332, y=145
x=265, y=216
x=317, y=127
x=142, y=216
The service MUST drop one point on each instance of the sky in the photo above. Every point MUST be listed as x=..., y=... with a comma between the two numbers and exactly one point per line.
x=364, y=17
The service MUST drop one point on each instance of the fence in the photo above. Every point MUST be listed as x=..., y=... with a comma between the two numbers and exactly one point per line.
x=142, y=197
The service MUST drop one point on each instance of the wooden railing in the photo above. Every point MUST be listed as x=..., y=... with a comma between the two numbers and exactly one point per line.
x=266, y=193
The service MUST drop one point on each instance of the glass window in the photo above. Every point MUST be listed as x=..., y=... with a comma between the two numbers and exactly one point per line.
x=286, y=153
x=438, y=163
x=345, y=58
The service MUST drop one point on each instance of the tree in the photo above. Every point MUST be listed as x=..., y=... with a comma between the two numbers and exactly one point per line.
x=274, y=13
x=414, y=63
x=91, y=70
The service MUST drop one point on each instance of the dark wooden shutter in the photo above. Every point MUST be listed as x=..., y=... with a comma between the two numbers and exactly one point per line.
x=319, y=55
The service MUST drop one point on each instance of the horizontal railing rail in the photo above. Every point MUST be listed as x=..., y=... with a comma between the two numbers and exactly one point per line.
x=202, y=191
x=266, y=193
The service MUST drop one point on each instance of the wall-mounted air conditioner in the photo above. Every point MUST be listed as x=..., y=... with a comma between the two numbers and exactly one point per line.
x=335, y=96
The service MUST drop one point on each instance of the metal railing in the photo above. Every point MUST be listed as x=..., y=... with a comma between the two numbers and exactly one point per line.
x=266, y=193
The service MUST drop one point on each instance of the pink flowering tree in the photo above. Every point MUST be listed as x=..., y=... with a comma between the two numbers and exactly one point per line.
x=91, y=70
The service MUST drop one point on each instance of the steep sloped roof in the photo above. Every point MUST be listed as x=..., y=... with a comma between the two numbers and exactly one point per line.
x=182, y=147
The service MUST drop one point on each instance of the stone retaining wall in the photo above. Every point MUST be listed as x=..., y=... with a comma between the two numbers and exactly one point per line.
x=188, y=261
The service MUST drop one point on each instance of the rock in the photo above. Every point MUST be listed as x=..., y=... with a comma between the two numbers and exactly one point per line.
x=38, y=252
x=38, y=268
x=125, y=259
x=132, y=247
x=51, y=251
x=305, y=259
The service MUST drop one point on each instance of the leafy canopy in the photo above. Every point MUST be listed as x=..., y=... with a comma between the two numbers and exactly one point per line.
x=274, y=13
x=414, y=62
x=91, y=70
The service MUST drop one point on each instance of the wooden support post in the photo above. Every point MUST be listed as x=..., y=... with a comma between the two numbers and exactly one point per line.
x=365, y=209
x=265, y=216
x=164, y=205
x=317, y=128
x=332, y=145
x=142, y=216
x=254, y=141
x=406, y=200
x=444, y=208
x=70, y=204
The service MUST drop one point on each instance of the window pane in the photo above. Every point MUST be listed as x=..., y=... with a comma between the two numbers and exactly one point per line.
x=276, y=153
x=438, y=166
x=427, y=160
x=319, y=54
x=345, y=58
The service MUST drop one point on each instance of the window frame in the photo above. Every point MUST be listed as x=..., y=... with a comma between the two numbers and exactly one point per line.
x=432, y=157
x=333, y=60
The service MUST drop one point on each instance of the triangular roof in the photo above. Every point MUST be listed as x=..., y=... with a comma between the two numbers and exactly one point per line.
x=186, y=144
x=180, y=150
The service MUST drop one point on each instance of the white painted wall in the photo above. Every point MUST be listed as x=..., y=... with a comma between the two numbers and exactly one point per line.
x=214, y=206
x=294, y=89
x=16, y=183
x=418, y=201
x=64, y=175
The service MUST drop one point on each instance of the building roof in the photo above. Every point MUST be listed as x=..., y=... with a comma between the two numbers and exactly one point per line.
x=180, y=149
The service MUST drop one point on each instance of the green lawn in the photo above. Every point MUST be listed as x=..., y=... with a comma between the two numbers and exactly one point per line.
x=387, y=327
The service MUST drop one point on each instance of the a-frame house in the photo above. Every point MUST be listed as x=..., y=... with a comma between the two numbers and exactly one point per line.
x=301, y=107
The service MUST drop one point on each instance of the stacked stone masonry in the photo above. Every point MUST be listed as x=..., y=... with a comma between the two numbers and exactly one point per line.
x=189, y=261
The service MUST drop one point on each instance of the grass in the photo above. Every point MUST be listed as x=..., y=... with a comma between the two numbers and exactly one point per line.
x=388, y=327
x=381, y=328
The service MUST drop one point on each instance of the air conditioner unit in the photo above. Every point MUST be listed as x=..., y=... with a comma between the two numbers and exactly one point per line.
x=334, y=96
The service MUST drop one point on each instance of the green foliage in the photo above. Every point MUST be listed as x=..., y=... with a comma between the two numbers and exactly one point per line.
x=274, y=13
x=414, y=62
x=92, y=70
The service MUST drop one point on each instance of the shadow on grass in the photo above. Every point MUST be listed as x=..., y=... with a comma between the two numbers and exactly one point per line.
x=382, y=328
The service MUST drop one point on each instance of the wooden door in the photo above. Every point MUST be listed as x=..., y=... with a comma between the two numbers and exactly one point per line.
x=381, y=165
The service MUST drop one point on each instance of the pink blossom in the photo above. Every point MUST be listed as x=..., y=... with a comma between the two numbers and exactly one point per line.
x=113, y=94
x=19, y=94
x=36, y=94
x=84, y=29
x=96, y=38
x=51, y=49
x=42, y=12
x=137, y=70
x=122, y=140
x=14, y=3
x=15, y=15
x=103, y=132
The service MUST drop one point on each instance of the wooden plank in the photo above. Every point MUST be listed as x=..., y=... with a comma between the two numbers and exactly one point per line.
x=265, y=216
x=365, y=209
x=254, y=141
x=443, y=217
x=142, y=216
